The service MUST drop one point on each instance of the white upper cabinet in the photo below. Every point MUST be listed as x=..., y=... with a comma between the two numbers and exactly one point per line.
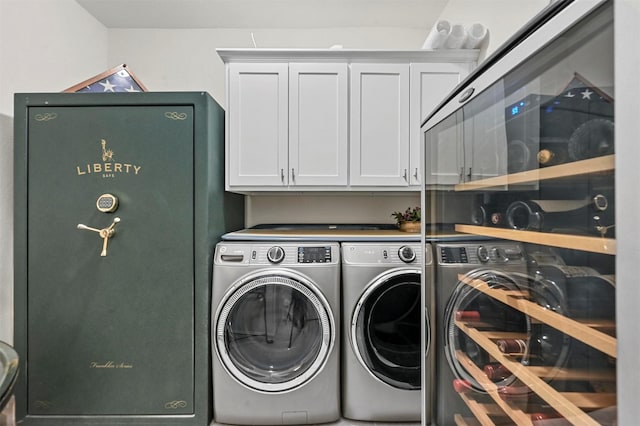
x=444, y=154
x=318, y=124
x=287, y=125
x=430, y=83
x=332, y=119
x=257, y=125
x=379, y=125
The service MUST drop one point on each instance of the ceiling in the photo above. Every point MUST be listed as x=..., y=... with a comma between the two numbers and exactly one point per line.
x=264, y=13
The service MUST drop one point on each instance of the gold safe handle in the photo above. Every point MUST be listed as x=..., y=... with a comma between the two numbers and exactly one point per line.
x=105, y=233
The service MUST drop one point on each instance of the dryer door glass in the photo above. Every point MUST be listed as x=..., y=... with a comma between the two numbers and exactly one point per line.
x=274, y=333
x=386, y=332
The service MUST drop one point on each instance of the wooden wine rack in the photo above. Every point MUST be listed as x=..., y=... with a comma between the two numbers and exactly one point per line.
x=579, y=331
x=575, y=242
x=604, y=164
x=597, y=334
x=570, y=405
x=500, y=407
x=594, y=244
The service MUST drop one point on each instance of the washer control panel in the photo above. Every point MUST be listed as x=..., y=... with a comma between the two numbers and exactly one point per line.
x=489, y=253
x=406, y=254
x=277, y=253
x=320, y=254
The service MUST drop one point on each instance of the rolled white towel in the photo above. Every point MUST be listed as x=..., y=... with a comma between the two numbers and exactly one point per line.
x=476, y=34
x=438, y=35
x=457, y=37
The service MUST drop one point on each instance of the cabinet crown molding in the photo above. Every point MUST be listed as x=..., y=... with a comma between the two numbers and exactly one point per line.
x=347, y=55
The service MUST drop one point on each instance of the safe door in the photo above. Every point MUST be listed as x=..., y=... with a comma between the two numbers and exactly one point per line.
x=106, y=296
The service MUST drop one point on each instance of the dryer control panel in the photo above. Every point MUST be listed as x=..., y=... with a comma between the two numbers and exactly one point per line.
x=398, y=254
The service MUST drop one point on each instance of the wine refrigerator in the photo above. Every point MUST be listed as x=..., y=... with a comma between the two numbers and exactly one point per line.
x=521, y=157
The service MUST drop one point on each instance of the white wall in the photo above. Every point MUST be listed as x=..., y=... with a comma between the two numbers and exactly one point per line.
x=328, y=208
x=45, y=46
x=49, y=45
x=6, y=228
x=502, y=18
x=186, y=59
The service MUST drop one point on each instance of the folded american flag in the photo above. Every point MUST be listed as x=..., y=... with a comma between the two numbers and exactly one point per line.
x=118, y=79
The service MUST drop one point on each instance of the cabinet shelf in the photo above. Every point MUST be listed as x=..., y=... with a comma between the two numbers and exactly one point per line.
x=579, y=331
x=567, y=404
x=576, y=168
x=576, y=242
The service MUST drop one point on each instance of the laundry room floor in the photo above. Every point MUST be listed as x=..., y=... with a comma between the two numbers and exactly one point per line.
x=348, y=422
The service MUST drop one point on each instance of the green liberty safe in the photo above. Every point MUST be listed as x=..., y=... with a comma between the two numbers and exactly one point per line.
x=119, y=201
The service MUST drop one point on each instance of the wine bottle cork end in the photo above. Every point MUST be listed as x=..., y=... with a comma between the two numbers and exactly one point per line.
x=544, y=156
x=461, y=386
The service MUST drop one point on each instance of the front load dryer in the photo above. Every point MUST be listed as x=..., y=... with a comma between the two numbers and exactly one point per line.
x=383, y=324
x=274, y=333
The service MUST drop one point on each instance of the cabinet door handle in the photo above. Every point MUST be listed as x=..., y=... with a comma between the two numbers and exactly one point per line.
x=404, y=175
x=469, y=175
x=466, y=94
x=282, y=175
x=293, y=174
x=415, y=174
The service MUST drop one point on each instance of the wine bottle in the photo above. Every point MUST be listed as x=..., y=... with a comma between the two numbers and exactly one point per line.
x=512, y=346
x=496, y=371
x=492, y=314
x=569, y=216
x=542, y=413
x=487, y=215
x=490, y=210
x=545, y=347
x=587, y=293
x=592, y=139
x=468, y=316
x=462, y=386
x=551, y=157
x=516, y=392
x=519, y=155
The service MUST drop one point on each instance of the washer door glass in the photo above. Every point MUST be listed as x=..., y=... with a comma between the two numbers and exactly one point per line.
x=274, y=333
x=514, y=333
x=386, y=331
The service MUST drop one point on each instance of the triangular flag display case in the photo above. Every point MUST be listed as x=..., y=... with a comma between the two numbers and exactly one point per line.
x=119, y=200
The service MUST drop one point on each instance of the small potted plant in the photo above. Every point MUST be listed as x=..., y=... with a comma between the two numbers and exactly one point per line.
x=408, y=220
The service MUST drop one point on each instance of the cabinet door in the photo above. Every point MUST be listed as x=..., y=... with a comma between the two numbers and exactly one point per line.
x=485, y=146
x=318, y=124
x=444, y=153
x=379, y=125
x=430, y=83
x=257, y=125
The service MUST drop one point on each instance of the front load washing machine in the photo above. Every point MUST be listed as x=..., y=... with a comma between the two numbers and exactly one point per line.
x=383, y=321
x=274, y=333
x=465, y=274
